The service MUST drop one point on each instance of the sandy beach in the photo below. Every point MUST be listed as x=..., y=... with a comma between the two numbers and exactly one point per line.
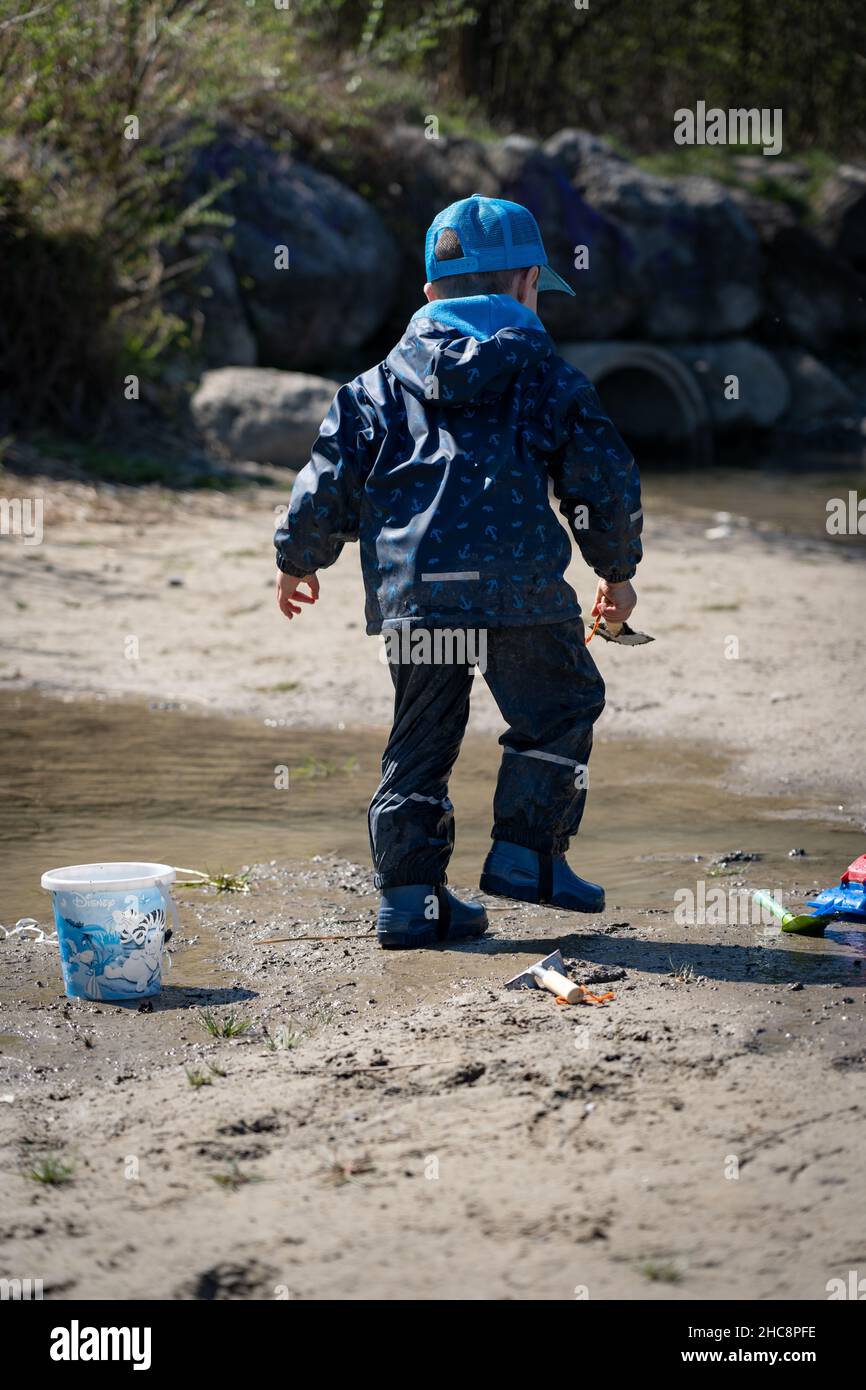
x=390, y=1124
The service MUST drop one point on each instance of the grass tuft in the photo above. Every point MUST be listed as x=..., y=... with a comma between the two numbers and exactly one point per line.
x=51, y=1170
x=686, y=974
x=226, y=1027
x=661, y=1272
x=284, y=1040
x=197, y=1078
x=343, y=1171
x=234, y=1178
x=317, y=767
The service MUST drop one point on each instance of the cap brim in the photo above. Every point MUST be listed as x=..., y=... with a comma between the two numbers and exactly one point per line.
x=549, y=280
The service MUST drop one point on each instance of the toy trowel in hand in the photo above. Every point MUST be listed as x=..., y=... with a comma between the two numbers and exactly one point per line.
x=623, y=634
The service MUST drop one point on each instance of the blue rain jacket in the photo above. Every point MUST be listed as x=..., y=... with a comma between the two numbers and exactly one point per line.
x=439, y=461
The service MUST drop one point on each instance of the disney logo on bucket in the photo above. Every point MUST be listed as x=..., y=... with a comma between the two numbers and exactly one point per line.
x=111, y=921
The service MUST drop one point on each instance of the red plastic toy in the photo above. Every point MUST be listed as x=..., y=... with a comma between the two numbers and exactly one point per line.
x=856, y=872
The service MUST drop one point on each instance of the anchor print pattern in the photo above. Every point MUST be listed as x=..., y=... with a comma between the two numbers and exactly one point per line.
x=457, y=485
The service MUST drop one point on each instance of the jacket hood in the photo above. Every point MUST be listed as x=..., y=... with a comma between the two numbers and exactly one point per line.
x=455, y=350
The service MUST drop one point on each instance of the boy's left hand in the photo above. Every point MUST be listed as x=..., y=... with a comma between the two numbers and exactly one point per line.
x=289, y=595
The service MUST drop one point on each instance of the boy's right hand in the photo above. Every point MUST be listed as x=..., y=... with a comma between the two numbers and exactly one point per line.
x=614, y=602
x=288, y=590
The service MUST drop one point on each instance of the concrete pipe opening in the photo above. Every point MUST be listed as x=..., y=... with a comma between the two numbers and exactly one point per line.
x=651, y=396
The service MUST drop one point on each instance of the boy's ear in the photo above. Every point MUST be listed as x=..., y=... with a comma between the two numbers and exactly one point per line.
x=428, y=293
x=526, y=283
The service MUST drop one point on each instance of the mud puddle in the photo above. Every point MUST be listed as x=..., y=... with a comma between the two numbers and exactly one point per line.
x=113, y=781
x=790, y=503
x=116, y=781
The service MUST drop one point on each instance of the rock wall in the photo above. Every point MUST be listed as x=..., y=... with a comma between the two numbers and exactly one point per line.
x=705, y=279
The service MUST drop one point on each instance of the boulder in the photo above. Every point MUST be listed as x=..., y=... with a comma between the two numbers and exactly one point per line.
x=685, y=244
x=214, y=299
x=816, y=391
x=262, y=414
x=607, y=298
x=767, y=216
x=762, y=391
x=842, y=213
x=336, y=287
x=812, y=297
x=413, y=178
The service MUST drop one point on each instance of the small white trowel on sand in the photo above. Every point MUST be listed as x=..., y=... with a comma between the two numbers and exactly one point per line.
x=550, y=974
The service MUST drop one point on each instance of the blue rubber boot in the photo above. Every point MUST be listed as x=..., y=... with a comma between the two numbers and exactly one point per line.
x=512, y=871
x=421, y=915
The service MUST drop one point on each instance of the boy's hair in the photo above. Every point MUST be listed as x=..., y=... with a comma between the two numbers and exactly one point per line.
x=448, y=248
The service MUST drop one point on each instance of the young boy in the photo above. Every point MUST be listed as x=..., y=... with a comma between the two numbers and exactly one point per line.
x=439, y=461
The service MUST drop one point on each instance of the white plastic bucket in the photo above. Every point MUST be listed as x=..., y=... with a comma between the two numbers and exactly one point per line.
x=111, y=922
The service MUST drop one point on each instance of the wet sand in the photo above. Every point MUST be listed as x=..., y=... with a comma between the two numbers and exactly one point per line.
x=418, y=1131
x=397, y=1124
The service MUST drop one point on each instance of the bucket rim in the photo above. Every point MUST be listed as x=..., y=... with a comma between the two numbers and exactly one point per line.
x=81, y=878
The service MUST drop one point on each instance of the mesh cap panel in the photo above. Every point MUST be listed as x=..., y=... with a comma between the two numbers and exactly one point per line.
x=524, y=232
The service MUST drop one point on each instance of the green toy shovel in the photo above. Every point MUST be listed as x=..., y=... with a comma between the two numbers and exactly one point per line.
x=802, y=924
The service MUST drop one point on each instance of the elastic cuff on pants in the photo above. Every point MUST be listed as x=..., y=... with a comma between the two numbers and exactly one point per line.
x=406, y=880
x=542, y=844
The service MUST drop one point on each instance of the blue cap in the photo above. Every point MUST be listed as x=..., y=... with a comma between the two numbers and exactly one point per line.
x=495, y=235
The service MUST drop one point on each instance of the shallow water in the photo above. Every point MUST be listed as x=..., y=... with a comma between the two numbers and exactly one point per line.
x=770, y=498
x=104, y=781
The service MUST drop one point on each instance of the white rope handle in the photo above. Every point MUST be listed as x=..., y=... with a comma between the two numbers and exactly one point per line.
x=196, y=873
x=26, y=925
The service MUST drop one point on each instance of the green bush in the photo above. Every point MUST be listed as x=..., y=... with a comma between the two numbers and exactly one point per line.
x=57, y=293
x=103, y=105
